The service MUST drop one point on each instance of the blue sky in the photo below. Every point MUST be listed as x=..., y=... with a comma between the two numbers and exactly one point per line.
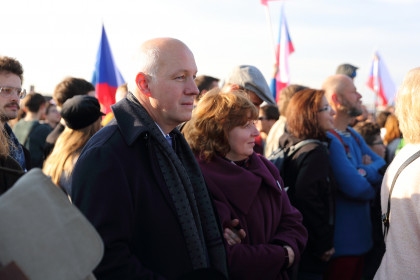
x=54, y=38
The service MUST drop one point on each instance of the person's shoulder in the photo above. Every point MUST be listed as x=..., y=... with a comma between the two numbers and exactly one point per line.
x=42, y=128
x=101, y=139
x=317, y=148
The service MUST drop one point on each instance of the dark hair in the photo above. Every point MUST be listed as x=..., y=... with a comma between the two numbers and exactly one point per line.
x=368, y=130
x=271, y=112
x=381, y=118
x=302, y=115
x=11, y=65
x=33, y=102
x=204, y=82
x=70, y=87
x=285, y=95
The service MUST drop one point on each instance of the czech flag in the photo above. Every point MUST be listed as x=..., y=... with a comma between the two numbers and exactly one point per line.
x=264, y=2
x=106, y=77
x=283, y=50
x=380, y=82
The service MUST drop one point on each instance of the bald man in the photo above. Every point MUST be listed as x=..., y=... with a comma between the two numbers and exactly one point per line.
x=138, y=183
x=355, y=168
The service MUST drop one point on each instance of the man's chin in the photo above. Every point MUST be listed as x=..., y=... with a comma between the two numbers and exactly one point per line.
x=355, y=112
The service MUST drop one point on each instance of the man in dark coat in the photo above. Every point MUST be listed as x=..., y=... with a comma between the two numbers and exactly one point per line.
x=139, y=185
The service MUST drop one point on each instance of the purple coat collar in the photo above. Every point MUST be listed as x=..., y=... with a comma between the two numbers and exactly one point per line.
x=240, y=185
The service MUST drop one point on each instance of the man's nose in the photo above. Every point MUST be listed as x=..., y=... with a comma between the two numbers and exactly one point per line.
x=192, y=88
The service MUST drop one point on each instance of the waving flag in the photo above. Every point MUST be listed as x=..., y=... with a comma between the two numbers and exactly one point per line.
x=106, y=77
x=380, y=82
x=283, y=50
x=264, y=2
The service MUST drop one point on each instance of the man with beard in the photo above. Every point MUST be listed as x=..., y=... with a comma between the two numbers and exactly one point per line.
x=11, y=76
x=355, y=168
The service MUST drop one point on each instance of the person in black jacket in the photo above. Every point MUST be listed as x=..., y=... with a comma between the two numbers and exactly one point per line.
x=309, y=177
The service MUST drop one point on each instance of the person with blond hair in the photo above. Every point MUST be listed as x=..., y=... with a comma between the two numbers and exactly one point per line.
x=82, y=116
x=245, y=186
x=401, y=202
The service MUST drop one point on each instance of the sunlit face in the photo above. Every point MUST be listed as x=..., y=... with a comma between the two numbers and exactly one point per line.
x=173, y=89
x=350, y=99
x=325, y=115
x=242, y=141
x=378, y=146
x=9, y=105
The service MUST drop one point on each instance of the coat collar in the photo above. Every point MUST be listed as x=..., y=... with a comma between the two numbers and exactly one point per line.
x=239, y=185
x=126, y=113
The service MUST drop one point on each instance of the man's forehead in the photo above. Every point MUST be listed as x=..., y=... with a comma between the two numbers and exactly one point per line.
x=181, y=63
x=9, y=77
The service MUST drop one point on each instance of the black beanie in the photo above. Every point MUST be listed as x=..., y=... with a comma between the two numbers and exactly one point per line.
x=81, y=111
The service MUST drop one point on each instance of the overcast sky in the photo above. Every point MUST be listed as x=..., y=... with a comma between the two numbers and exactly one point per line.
x=54, y=39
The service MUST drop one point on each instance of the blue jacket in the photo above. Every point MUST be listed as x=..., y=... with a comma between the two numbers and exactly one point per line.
x=353, y=227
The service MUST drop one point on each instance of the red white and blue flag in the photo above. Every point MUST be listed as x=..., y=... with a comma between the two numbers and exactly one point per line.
x=106, y=77
x=283, y=50
x=380, y=82
x=264, y=2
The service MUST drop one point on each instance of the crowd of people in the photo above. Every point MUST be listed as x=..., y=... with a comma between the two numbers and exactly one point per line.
x=178, y=183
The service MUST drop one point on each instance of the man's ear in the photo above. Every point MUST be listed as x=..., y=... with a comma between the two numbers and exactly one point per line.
x=143, y=84
x=334, y=98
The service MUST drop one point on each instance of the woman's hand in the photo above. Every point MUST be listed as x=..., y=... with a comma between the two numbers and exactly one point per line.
x=327, y=255
x=234, y=234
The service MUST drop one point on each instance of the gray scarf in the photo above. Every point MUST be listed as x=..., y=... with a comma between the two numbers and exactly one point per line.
x=190, y=196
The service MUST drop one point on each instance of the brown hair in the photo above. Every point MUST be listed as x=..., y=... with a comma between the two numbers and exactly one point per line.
x=11, y=65
x=368, y=130
x=66, y=151
x=217, y=113
x=70, y=87
x=33, y=102
x=302, y=114
x=4, y=143
x=285, y=95
x=392, y=129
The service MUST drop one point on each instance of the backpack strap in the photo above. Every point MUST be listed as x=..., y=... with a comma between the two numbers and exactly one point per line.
x=385, y=217
x=293, y=149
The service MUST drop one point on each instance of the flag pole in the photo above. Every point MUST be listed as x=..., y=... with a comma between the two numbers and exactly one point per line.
x=376, y=79
x=270, y=29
